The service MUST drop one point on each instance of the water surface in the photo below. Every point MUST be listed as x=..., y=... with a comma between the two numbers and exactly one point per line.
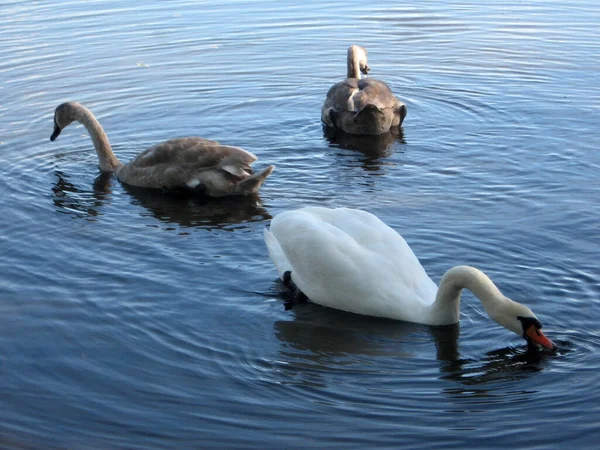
x=131, y=320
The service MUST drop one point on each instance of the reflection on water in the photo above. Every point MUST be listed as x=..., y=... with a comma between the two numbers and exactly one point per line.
x=226, y=212
x=133, y=337
x=507, y=363
x=70, y=199
x=373, y=148
x=321, y=333
x=324, y=337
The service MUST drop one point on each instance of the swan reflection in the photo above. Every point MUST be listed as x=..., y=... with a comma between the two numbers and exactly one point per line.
x=68, y=198
x=325, y=338
x=371, y=148
x=321, y=332
x=226, y=212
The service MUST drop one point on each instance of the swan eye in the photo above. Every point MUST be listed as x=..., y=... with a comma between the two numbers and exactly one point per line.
x=528, y=321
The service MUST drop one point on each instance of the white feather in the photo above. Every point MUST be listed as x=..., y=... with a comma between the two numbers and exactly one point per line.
x=350, y=260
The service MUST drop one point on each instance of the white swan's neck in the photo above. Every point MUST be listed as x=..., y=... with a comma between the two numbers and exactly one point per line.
x=106, y=158
x=446, y=308
x=353, y=63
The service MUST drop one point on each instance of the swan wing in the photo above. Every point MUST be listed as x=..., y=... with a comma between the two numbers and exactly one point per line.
x=339, y=93
x=193, y=151
x=186, y=162
x=350, y=260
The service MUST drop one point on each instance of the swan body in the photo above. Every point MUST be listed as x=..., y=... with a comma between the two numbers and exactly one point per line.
x=361, y=106
x=350, y=260
x=189, y=164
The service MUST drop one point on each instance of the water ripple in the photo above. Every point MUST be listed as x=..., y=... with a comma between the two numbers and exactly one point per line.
x=135, y=320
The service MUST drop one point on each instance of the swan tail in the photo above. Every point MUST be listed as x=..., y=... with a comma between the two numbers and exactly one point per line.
x=373, y=120
x=400, y=113
x=369, y=112
x=253, y=183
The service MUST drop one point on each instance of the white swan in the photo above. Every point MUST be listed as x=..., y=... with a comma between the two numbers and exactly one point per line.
x=350, y=260
x=361, y=106
x=190, y=164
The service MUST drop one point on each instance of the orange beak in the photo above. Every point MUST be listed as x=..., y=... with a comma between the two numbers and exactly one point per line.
x=538, y=337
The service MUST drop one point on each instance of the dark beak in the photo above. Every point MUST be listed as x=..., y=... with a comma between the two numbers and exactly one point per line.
x=56, y=132
x=535, y=334
x=365, y=70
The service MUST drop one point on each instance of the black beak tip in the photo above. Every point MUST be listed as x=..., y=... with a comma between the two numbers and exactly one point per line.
x=55, y=133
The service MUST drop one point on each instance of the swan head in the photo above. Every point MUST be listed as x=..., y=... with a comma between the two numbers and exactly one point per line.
x=357, y=61
x=64, y=115
x=521, y=320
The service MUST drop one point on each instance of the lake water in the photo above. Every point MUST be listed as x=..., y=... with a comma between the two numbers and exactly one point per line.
x=133, y=320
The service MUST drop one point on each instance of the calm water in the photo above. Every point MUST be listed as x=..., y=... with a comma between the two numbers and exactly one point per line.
x=131, y=320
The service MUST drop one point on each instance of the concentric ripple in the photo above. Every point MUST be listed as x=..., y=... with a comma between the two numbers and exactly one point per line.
x=130, y=319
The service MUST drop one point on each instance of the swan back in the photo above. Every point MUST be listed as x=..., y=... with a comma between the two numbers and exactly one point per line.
x=169, y=163
x=350, y=260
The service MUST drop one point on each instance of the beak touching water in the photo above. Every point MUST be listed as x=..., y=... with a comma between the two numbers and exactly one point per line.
x=536, y=335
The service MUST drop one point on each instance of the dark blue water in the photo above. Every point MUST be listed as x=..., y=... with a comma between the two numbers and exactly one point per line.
x=131, y=320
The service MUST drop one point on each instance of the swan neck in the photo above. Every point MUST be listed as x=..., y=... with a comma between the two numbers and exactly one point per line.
x=353, y=64
x=447, y=301
x=107, y=160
